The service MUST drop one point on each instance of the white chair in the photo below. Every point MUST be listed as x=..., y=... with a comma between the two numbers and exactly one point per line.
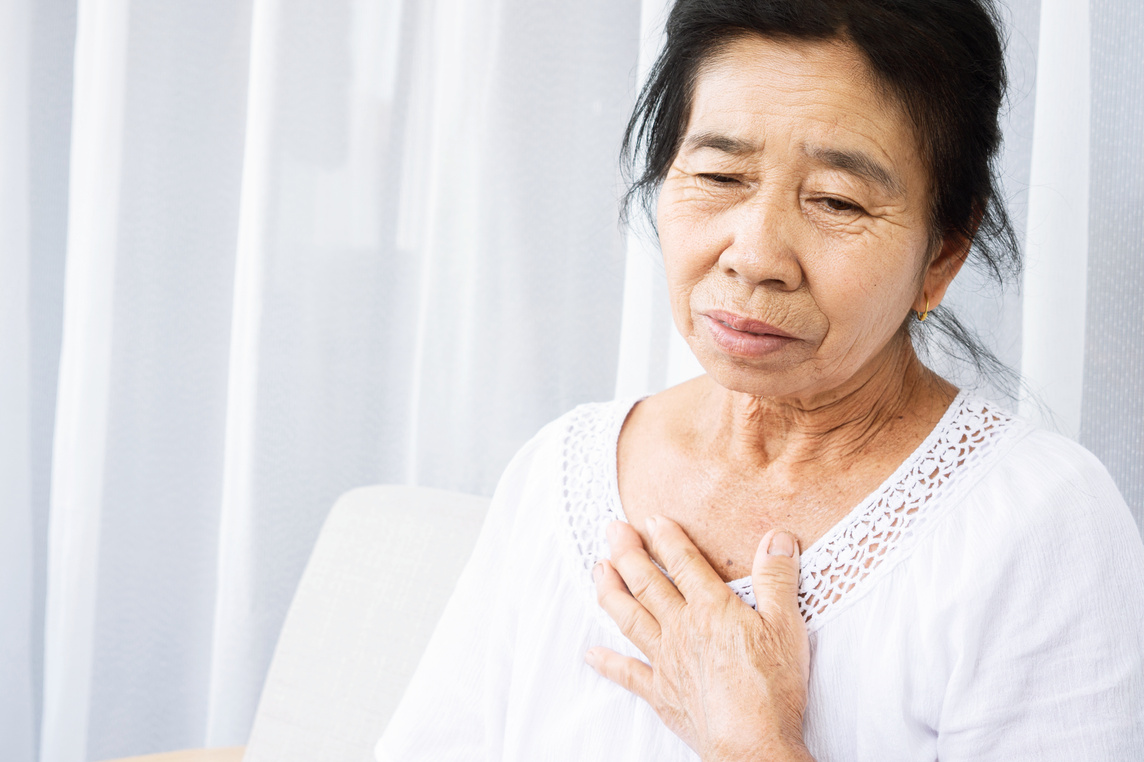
x=384, y=565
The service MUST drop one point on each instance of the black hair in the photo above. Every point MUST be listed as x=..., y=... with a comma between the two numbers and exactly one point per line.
x=942, y=60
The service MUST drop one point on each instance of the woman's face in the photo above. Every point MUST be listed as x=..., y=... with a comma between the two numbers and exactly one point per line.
x=794, y=221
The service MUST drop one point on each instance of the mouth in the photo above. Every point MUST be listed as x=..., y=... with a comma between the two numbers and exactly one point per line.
x=746, y=325
x=745, y=337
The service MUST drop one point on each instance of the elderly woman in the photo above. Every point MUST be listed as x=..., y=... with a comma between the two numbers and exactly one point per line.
x=968, y=587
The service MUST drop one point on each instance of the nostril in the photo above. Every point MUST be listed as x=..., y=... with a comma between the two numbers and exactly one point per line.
x=774, y=266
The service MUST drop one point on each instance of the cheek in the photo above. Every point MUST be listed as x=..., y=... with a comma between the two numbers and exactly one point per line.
x=684, y=282
x=866, y=296
x=689, y=256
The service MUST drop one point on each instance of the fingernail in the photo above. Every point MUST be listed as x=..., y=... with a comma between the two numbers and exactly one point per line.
x=590, y=657
x=598, y=571
x=782, y=544
x=650, y=524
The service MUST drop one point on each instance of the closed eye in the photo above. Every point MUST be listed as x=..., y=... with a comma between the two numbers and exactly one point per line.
x=718, y=179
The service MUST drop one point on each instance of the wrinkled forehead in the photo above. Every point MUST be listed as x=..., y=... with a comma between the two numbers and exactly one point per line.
x=820, y=96
x=835, y=56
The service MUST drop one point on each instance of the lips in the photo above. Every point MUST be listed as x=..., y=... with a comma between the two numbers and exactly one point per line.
x=747, y=325
x=744, y=337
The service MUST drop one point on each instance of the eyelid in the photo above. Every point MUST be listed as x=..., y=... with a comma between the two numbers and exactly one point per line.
x=855, y=207
x=719, y=178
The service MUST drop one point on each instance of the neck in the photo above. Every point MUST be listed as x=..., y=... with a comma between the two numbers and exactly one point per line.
x=893, y=392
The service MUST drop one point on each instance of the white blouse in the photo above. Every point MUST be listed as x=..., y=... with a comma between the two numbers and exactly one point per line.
x=985, y=603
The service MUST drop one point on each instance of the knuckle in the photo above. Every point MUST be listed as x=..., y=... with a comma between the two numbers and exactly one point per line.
x=627, y=676
x=629, y=621
x=624, y=549
x=675, y=554
x=635, y=574
x=641, y=586
x=628, y=557
x=691, y=576
x=779, y=573
x=688, y=561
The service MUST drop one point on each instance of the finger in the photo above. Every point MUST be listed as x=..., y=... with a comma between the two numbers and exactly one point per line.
x=690, y=571
x=623, y=537
x=643, y=578
x=774, y=575
x=634, y=621
x=628, y=673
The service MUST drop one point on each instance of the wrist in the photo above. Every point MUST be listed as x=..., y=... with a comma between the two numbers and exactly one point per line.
x=787, y=751
x=792, y=752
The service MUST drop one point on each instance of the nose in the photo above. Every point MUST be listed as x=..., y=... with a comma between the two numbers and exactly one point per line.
x=760, y=250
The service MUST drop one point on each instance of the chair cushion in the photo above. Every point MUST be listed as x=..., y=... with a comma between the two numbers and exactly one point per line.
x=384, y=565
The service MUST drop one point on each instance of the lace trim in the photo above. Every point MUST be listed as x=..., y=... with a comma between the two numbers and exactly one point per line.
x=591, y=491
x=864, y=545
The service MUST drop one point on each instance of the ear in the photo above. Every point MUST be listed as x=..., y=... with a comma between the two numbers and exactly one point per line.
x=944, y=267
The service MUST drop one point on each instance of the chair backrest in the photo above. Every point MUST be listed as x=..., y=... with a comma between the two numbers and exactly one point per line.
x=384, y=565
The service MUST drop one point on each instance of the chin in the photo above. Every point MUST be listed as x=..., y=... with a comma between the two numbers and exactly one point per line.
x=773, y=378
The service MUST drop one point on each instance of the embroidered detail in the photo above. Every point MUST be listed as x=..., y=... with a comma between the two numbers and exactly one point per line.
x=883, y=526
x=888, y=521
x=591, y=494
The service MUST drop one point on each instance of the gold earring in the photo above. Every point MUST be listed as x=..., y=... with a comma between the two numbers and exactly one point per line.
x=923, y=315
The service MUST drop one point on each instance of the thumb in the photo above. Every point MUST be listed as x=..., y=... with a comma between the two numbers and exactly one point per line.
x=774, y=574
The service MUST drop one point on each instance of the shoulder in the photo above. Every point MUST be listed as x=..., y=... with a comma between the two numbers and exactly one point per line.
x=580, y=441
x=1040, y=518
x=1041, y=481
x=585, y=433
x=1061, y=467
x=1021, y=511
x=1037, y=603
x=1036, y=595
x=556, y=494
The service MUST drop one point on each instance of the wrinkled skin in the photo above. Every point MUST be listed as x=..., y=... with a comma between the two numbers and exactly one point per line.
x=798, y=202
x=727, y=680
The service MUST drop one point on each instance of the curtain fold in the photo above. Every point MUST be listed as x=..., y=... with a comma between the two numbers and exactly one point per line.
x=17, y=729
x=1112, y=405
x=78, y=456
x=234, y=673
x=1056, y=243
x=645, y=327
x=316, y=245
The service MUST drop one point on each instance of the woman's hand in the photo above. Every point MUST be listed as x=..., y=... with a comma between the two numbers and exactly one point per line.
x=727, y=680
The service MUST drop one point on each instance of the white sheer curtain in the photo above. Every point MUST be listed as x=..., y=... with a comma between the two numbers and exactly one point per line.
x=254, y=254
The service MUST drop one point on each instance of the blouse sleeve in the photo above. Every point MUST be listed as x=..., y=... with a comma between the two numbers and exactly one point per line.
x=1048, y=665
x=453, y=709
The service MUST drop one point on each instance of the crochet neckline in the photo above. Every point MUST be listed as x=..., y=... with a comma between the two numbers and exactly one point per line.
x=816, y=547
x=863, y=545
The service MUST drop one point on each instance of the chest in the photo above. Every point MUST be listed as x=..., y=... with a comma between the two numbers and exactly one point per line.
x=726, y=510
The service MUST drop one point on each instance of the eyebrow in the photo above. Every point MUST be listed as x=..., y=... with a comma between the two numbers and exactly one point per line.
x=857, y=163
x=719, y=142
